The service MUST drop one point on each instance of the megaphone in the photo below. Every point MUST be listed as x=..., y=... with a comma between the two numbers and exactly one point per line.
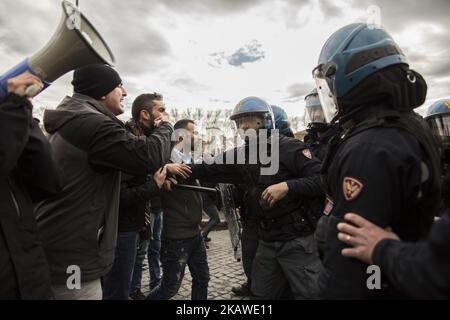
x=75, y=43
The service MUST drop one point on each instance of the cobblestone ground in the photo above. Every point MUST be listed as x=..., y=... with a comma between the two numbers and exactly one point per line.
x=225, y=271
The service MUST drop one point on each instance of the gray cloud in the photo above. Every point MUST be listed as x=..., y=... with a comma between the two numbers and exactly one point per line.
x=291, y=10
x=249, y=53
x=137, y=47
x=217, y=59
x=293, y=7
x=24, y=29
x=431, y=65
x=25, y=26
x=188, y=84
x=219, y=100
x=297, y=91
x=329, y=9
x=402, y=13
x=208, y=6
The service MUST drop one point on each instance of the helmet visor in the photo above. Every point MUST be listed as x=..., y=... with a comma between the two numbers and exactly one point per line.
x=314, y=114
x=324, y=85
x=440, y=125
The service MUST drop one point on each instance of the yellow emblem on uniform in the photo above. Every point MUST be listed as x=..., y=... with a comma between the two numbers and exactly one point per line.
x=448, y=104
x=351, y=188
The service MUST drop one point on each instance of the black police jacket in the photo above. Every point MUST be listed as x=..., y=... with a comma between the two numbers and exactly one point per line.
x=383, y=174
x=297, y=167
x=319, y=145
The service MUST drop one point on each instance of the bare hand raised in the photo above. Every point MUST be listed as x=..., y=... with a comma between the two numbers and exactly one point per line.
x=165, y=117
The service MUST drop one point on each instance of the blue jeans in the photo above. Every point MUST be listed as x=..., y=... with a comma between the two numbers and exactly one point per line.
x=175, y=255
x=116, y=283
x=153, y=248
x=141, y=252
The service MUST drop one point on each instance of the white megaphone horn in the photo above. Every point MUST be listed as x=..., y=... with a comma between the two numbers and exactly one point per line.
x=75, y=43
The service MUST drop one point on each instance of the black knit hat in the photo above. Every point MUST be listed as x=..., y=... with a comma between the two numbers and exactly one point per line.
x=95, y=80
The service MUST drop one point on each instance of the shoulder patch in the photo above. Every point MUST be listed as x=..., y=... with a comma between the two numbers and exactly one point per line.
x=307, y=153
x=351, y=188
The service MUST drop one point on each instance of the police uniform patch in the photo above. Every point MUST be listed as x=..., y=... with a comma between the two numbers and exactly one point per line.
x=351, y=188
x=307, y=153
x=328, y=206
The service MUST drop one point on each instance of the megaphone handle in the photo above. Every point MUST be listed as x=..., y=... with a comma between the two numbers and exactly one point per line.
x=31, y=91
x=22, y=67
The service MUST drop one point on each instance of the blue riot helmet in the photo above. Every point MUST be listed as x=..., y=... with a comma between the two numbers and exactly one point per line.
x=348, y=57
x=254, y=107
x=438, y=118
x=282, y=122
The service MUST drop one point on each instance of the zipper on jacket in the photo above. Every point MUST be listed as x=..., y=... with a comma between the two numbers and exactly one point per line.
x=16, y=204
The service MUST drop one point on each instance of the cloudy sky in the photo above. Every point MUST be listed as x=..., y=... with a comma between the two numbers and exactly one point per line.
x=212, y=53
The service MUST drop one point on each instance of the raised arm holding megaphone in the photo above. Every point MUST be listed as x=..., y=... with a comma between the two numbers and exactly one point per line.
x=75, y=43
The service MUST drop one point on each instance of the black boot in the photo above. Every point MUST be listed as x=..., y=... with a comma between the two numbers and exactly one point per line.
x=243, y=290
x=137, y=295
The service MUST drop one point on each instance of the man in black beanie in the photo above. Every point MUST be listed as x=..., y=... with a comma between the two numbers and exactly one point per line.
x=101, y=82
x=78, y=227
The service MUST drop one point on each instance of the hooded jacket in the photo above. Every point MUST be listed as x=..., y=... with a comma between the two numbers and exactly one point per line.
x=79, y=226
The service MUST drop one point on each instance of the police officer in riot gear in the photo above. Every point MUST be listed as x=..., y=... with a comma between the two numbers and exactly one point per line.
x=384, y=163
x=319, y=132
x=250, y=223
x=438, y=118
x=419, y=270
x=282, y=122
x=286, y=253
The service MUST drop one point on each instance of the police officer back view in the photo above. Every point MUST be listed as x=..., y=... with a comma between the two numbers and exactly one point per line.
x=384, y=164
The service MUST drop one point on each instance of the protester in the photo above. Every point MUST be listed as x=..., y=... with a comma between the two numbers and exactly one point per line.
x=79, y=226
x=28, y=173
x=182, y=243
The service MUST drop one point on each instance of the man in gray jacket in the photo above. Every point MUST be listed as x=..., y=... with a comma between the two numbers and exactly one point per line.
x=79, y=226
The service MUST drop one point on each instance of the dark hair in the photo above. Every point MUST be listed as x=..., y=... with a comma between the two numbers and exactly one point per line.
x=182, y=124
x=143, y=102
